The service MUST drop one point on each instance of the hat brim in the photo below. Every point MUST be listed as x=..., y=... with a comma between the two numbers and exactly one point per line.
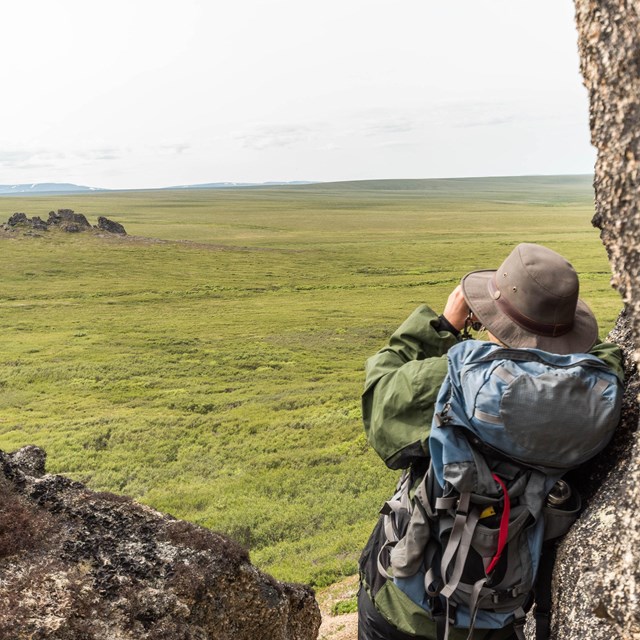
x=581, y=337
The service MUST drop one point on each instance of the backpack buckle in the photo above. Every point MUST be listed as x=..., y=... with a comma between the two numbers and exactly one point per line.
x=500, y=596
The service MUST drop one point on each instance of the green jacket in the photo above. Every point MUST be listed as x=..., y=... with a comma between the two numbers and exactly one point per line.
x=402, y=384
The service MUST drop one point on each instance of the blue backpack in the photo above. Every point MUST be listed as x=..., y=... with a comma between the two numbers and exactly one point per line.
x=464, y=541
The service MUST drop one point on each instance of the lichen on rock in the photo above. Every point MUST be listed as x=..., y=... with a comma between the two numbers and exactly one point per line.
x=80, y=565
x=596, y=590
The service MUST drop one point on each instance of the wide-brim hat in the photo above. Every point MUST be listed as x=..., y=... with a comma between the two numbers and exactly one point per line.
x=532, y=301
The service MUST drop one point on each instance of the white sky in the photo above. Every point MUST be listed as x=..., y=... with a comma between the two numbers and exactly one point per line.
x=148, y=93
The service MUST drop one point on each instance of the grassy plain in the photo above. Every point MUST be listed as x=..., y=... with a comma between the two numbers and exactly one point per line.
x=210, y=364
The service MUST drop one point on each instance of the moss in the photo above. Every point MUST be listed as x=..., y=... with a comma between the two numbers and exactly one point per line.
x=23, y=526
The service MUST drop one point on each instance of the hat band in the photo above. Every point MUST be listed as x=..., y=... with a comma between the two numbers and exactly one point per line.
x=539, y=328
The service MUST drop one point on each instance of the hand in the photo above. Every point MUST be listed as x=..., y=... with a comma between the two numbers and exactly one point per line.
x=456, y=309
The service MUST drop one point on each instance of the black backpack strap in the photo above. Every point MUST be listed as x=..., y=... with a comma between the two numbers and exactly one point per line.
x=518, y=624
x=445, y=618
x=542, y=590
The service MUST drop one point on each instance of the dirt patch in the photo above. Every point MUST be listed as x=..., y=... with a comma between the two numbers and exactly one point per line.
x=342, y=626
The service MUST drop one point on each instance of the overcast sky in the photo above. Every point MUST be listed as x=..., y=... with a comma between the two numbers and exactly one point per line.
x=149, y=93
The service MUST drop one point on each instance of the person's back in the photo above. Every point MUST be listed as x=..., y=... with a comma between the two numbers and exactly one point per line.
x=530, y=302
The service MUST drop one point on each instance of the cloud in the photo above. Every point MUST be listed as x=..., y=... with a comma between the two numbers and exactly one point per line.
x=41, y=158
x=391, y=125
x=465, y=114
x=27, y=158
x=328, y=146
x=175, y=148
x=107, y=153
x=275, y=135
x=397, y=144
x=328, y=135
x=489, y=121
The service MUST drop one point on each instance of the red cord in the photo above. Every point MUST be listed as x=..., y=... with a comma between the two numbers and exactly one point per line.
x=504, y=525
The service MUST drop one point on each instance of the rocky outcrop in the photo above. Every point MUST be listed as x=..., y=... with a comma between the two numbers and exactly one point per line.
x=79, y=565
x=64, y=219
x=596, y=581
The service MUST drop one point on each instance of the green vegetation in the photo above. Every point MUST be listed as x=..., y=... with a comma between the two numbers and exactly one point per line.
x=345, y=606
x=215, y=373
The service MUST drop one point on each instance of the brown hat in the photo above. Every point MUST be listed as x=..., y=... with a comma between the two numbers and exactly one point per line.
x=532, y=301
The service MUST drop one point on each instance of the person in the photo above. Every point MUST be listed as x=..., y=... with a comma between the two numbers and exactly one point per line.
x=530, y=301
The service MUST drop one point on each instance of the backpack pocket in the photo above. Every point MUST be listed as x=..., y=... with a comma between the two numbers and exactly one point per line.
x=558, y=520
x=507, y=586
x=554, y=419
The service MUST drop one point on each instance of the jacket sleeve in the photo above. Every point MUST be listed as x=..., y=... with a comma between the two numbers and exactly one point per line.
x=401, y=387
x=610, y=354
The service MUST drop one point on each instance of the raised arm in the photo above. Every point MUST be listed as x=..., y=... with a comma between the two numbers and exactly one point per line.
x=402, y=384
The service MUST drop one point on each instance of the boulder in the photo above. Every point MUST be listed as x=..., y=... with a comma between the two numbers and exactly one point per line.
x=79, y=565
x=110, y=226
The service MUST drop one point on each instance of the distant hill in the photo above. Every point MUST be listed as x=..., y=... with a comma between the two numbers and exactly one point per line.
x=454, y=187
x=541, y=187
x=466, y=184
x=228, y=185
x=44, y=187
x=40, y=188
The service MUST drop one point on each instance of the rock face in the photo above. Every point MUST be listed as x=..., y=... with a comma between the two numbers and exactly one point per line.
x=609, y=43
x=596, y=580
x=596, y=588
x=79, y=565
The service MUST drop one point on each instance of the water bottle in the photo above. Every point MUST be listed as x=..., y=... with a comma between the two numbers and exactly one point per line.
x=559, y=494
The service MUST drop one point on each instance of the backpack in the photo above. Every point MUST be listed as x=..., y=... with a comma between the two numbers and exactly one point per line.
x=464, y=540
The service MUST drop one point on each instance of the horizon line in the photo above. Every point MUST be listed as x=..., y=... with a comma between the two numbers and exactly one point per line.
x=227, y=184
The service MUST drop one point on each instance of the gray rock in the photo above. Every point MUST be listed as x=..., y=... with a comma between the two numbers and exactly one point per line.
x=18, y=218
x=30, y=460
x=79, y=565
x=596, y=590
x=21, y=219
x=110, y=226
x=68, y=220
x=39, y=223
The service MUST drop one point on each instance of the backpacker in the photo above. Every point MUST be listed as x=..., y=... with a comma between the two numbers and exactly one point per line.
x=464, y=540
